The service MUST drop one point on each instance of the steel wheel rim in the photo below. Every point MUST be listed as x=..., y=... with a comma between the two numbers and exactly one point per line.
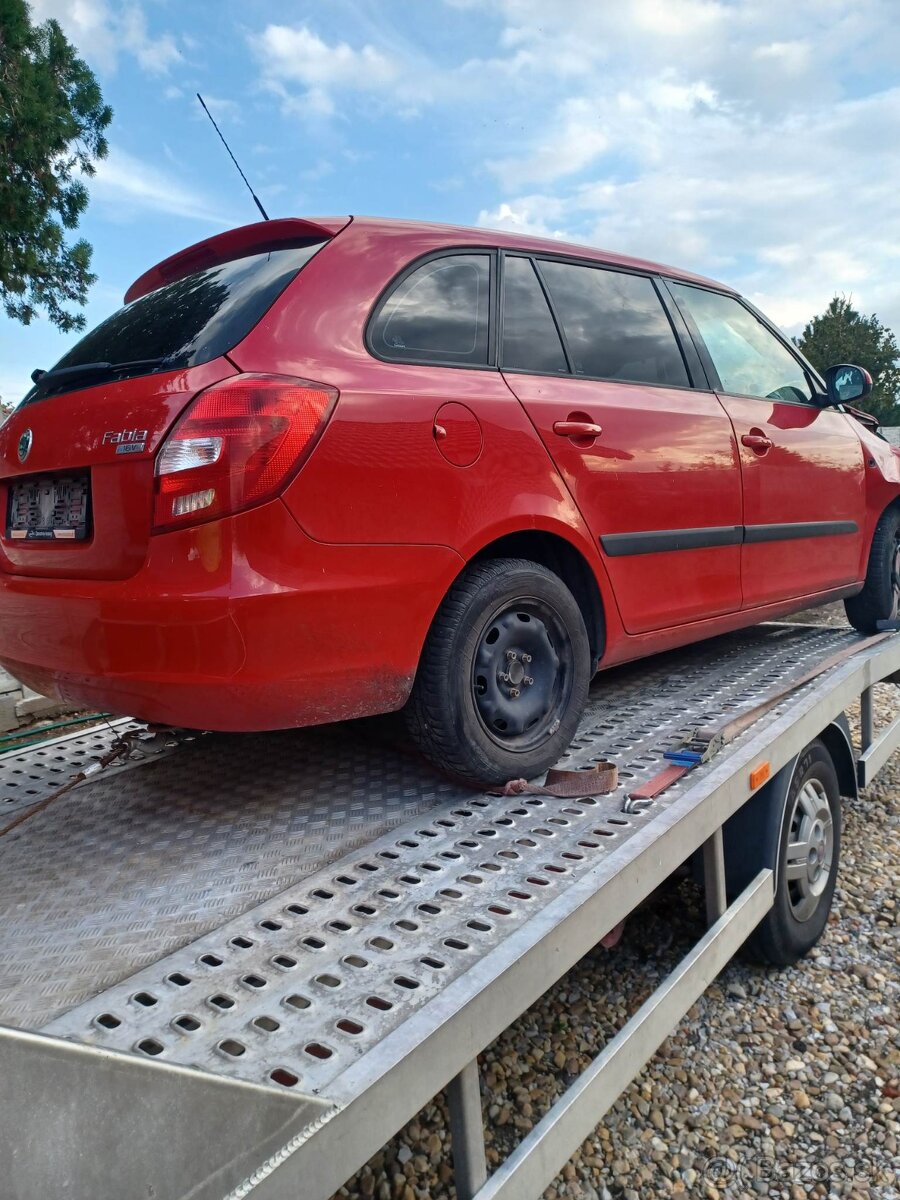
x=809, y=856
x=522, y=672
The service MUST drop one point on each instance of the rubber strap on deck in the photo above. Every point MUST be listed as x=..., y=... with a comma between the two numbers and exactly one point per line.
x=652, y=788
x=600, y=780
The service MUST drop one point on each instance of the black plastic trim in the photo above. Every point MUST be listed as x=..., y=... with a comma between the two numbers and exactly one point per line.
x=618, y=545
x=695, y=368
x=661, y=541
x=797, y=529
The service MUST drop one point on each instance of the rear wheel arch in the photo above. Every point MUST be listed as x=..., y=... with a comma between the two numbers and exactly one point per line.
x=566, y=561
x=836, y=740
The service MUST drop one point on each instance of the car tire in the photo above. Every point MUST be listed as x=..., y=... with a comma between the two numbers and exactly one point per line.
x=879, y=599
x=800, y=807
x=504, y=674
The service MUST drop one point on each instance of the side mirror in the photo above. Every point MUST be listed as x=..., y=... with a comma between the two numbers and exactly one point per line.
x=847, y=383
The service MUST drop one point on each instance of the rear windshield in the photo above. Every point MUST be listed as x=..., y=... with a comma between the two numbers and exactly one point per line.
x=187, y=322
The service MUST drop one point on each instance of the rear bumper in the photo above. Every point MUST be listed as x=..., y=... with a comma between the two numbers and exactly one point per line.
x=243, y=624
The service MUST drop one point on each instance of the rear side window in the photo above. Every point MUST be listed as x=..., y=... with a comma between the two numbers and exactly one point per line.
x=194, y=319
x=749, y=359
x=530, y=337
x=440, y=313
x=614, y=324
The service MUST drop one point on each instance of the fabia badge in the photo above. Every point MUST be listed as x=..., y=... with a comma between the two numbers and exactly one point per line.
x=25, y=445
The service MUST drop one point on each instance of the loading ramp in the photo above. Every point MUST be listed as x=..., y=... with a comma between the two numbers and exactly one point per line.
x=238, y=967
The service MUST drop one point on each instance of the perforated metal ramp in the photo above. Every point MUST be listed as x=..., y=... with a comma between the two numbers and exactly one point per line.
x=134, y=866
x=314, y=914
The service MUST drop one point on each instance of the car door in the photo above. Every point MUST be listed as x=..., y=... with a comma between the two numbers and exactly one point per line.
x=650, y=461
x=802, y=465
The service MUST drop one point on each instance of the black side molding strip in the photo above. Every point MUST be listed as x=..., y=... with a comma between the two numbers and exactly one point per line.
x=798, y=529
x=617, y=545
x=620, y=545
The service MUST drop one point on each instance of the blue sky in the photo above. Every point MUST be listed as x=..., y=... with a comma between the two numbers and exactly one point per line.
x=755, y=142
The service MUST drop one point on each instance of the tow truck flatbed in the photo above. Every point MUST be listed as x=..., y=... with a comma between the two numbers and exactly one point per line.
x=238, y=969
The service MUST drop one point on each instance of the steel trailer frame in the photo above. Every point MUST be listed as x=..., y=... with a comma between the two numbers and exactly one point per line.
x=453, y=921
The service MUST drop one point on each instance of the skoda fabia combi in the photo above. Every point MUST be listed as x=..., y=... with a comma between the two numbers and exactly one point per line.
x=319, y=469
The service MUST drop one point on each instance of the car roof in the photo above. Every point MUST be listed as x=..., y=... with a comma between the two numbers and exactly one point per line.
x=510, y=240
x=266, y=235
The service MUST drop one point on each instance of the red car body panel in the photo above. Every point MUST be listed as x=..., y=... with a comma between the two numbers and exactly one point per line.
x=814, y=471
x=671, y=452
x=315, y=606
x=73, y=434
x=231, y=625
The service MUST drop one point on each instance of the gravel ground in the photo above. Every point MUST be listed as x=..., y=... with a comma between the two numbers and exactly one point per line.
x=779, y=1083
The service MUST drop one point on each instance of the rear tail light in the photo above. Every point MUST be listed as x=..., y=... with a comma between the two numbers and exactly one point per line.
x=237, y=445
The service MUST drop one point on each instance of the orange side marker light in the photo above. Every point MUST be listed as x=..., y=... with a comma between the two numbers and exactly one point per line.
x=759, y=775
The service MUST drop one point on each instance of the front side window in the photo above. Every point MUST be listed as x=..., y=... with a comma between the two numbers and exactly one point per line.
x=614, y=324
x=530, y=338
x=749, y=359
x=439, y=313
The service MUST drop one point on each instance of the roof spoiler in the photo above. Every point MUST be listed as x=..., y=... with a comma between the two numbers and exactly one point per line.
x=247, y=239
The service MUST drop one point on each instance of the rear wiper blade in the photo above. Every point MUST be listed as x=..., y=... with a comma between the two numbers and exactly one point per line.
x=96, y=368
x=61, y=377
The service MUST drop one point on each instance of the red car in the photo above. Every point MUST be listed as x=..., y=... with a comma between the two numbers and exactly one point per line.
x=318, y=469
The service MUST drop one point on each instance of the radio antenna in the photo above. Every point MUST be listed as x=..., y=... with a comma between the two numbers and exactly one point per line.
x=265, y=215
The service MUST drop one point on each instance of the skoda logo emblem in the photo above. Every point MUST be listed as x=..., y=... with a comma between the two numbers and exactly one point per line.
x=25, y=445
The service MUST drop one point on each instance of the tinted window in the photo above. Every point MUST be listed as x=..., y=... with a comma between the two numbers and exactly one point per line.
x=750, y=360
x=530, y=338
x=196, y=318
x=439, y=313
x=615, y=325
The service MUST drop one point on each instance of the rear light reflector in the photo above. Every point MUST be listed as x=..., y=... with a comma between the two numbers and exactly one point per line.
x=187, y=453
x=193, y=502
x=237, y=445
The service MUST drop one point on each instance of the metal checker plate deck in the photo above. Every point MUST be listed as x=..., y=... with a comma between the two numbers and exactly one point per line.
x=30, y=773
x=295, y=991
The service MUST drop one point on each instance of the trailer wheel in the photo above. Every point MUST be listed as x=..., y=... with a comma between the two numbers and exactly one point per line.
x=879, y=599
x=503, y=676
x=792, y=826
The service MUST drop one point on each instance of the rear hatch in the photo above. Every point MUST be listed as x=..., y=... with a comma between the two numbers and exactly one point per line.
x=77, y=456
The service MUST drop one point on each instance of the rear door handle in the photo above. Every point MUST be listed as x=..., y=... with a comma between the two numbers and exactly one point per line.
x=577, y=429
x=757, y=441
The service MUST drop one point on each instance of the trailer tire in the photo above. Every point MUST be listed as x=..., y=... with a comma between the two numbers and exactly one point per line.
x=800, y=807
x=879, y=599
x=503, y=676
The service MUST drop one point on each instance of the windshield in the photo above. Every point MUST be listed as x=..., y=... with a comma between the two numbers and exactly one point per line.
x=184, y=323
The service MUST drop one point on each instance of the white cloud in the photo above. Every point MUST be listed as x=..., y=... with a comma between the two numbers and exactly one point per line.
x=293, y=55
x=748, y=140
x=101, y=33
x=128, y=186
x=520, y=219
x=155, y=55
x=576, y=138
x=744, y=141
x=298, y=54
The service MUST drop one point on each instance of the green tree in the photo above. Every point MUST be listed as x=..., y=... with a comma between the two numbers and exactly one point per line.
x=52, y=118
x=842, y=335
